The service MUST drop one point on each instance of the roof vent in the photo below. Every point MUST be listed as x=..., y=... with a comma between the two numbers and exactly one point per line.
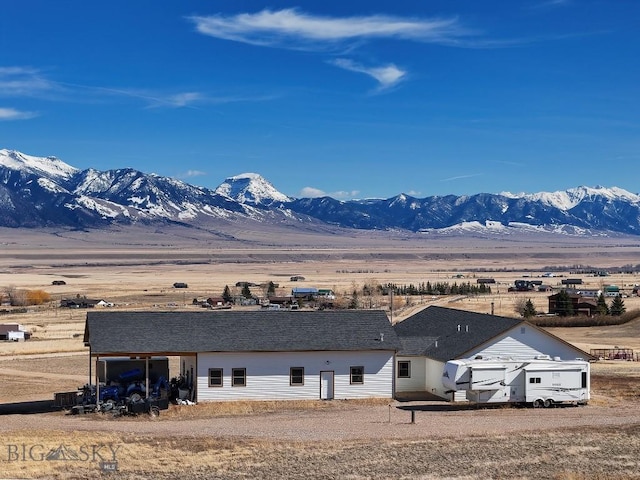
x=458, y=327
x=382, y=337
x=466, y=328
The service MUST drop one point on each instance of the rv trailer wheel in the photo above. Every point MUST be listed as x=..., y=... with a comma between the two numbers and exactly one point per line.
x=548, y=403
x=538, y=403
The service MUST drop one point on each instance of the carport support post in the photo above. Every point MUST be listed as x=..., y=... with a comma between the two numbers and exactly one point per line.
x=146, y=376
x=97, y=382
x=413, y=416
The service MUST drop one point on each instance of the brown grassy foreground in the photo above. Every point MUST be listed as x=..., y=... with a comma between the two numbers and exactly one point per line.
x=567, y=455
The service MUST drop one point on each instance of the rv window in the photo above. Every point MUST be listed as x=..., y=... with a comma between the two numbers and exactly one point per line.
x=584, y=379
x=215, y=377
x=357, y=375
x=534, y=380
x=239, y=377
x=404, y=369
x=296, y=376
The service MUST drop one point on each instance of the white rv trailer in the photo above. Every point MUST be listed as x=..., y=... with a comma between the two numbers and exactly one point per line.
x=541, y=381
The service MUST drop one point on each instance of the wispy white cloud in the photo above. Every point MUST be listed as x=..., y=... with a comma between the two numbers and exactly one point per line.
x=312, y=192
x=23, y=81
x=461, y=177
x=387, y=76
x=293, y=29
x=192, y=174
x=31, y=82
x=13, y=114
x=551, y=4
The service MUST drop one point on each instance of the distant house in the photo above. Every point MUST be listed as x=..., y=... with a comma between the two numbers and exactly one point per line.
x=571, y=281
x=436, y=335
x=581, y=305
x=279, y=300
x=13, y=332
x=58, y=282
x=326, y=293
x=297, y=278
x=215, y=301
x=545, y=288
x=180, y=285
x=307, y=293
x=611, y=290
x=486, y=280
x=79, y=302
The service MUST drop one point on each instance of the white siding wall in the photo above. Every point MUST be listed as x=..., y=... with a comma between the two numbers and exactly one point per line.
x=526, y=342
x=417, y=382
x=515, y=343
x=434, y=379
x=268, y=375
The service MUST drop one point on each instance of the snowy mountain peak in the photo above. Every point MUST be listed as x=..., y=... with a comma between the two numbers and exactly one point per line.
x=50, y=167
x=250, y=188
x=567, y=199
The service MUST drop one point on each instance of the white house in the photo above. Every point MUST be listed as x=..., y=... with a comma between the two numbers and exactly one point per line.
x=436, y=335
x=259, y=355
x=13, y=332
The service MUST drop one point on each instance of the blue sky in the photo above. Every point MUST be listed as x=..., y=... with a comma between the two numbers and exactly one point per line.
x=349, y=99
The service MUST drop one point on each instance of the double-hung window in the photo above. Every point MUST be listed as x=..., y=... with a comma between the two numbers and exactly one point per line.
x=215, y=377
x=357, y=375
x=238, y=377
x=296, y=376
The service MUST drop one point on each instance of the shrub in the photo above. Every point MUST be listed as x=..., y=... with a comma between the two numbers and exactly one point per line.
x=582, y=321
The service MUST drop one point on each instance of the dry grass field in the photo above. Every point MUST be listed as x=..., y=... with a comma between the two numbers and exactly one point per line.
x=354, y=440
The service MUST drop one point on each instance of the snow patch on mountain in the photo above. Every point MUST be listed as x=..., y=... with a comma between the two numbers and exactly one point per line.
x=50, y=167
x=250, y=188
x=567, y=199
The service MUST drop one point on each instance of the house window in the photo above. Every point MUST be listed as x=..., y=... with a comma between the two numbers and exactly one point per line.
x=296, y=376
x=238, y=377
x=534, y=380
x=404, y=369
x=357, y=375
x=215, y=377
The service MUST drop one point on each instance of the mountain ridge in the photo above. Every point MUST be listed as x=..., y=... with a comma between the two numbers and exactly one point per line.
x=45, y=191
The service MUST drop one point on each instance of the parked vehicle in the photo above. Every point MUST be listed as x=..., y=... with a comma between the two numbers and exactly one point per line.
x=540, y=381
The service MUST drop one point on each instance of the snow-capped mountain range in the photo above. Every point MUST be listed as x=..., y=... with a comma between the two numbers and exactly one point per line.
x=38, y=192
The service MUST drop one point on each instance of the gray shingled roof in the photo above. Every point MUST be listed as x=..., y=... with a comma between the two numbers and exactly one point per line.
x=433, y=332
x=235, y=331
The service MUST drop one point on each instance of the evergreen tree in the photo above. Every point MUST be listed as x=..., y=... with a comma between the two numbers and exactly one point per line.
x=226, y=295
x=602, y=307
x=271, y=289
x=246, y=292
x=354, y=300
x=564, y=305
x=617, y=306
x=529, y=310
